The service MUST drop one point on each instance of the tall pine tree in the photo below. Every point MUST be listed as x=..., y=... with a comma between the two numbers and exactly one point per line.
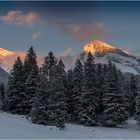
x=137, y=117
x=58, y=98
x=133, y=91
x=113, y=100
x=30, y=63
x=30, y=77
x=39, y=112
x=15, y=93
x=49, y=65
x=138, y=109
x=77, y=90
x=2, y=92
x=69, y=85
x=89, y=100
x=102, y=87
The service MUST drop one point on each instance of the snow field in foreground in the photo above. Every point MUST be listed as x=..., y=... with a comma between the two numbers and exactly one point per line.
x=17, y=127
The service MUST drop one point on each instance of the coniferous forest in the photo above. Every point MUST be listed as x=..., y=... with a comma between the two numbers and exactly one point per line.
x=88, y=94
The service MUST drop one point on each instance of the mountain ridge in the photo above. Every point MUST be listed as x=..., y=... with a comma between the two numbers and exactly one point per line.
x=101, y=51
x=98, y=46
x=104, y=52
x=101, y=47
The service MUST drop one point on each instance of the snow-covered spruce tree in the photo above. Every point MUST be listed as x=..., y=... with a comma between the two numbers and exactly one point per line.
x=57, y=106
x=77, y=90
x=30, y=63
x=49, y=105
x=39, y=111
x=2, y=92
x=133, y=90
x=102, y=87
x=15, y=93
x=89, y=99
x=30, y=77
x=48, y=67
x=138, y=109
x=114, y=112
x=30, y=91
x=127, y=92
x=69, y=85
x=103, y=83
x=125, y=82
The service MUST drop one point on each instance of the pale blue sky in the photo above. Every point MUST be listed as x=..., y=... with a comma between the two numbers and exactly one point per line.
x=58, y=26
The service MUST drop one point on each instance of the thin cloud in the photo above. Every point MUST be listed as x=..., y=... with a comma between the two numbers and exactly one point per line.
x=36, y=35
x=86, y=32
x=17, y=17
x=67, y=52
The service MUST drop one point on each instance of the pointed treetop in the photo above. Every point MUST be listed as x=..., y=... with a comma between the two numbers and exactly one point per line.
x=31, y=51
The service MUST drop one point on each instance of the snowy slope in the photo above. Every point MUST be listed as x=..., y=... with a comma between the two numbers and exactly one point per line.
x=3, y=76
x=125, y=64
x=103, y=52
x=17, y=127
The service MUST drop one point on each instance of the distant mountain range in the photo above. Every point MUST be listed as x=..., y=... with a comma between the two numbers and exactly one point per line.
x=101, y=51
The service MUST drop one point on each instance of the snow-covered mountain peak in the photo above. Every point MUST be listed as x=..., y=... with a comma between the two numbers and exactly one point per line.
x=104, y=52
x=4, y=52
x=7, y=58
x=99, y=47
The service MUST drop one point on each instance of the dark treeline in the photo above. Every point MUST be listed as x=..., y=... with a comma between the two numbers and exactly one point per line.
x=89, y=94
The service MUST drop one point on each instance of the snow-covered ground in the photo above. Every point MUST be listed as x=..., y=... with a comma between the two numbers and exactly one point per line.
x=17, y=127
